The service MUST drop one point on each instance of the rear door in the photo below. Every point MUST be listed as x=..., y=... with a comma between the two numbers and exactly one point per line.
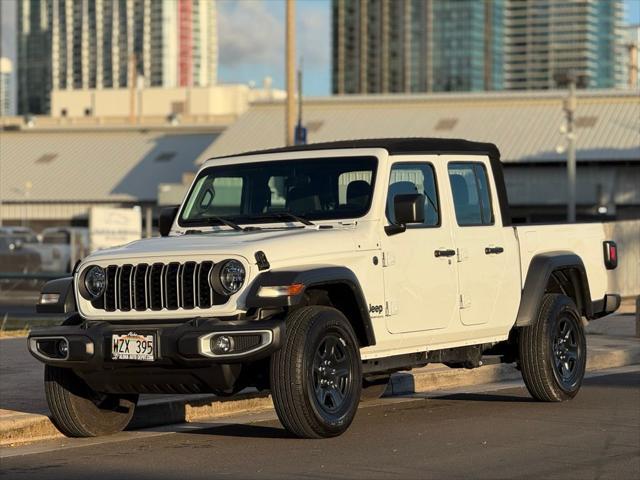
x=483, y=246
x=420, y=287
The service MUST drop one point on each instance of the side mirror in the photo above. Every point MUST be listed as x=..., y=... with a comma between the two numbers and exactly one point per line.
x=408, y=208
x=167, y=217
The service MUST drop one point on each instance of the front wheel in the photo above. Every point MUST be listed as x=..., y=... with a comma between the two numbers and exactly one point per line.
x=79, y=411
x=553, y=351
x=316, y=377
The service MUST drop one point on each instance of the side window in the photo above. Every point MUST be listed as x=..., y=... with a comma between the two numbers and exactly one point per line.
x=414, y=178
x=471, y=195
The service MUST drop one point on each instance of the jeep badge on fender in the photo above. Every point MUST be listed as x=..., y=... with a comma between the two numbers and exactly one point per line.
x=377, y=309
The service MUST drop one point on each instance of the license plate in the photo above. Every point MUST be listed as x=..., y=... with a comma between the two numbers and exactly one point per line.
x=132, y=346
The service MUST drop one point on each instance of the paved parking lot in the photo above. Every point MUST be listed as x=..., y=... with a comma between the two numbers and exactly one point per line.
x=491, y=434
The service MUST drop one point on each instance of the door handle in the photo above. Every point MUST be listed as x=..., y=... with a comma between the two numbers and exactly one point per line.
x=493, y=250
x=444, y=253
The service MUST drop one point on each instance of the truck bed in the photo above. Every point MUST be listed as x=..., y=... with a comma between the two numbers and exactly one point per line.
x=583, y=239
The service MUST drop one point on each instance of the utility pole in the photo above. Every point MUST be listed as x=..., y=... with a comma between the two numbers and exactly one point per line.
x=300, y=94
x=569, y=107
x=290, y=73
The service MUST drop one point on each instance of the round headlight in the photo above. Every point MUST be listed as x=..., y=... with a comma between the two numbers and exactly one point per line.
x=95, y=281
x=232, y=275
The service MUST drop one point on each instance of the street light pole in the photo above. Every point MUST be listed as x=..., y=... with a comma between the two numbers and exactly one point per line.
x=290, y=75
x=569, y=110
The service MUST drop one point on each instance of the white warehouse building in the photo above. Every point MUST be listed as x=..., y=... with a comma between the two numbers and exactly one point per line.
x=526, y=127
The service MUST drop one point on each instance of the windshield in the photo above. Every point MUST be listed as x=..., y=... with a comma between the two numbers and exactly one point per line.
x=312, y=189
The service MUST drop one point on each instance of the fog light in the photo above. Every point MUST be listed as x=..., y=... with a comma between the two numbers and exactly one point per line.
x=222, y=344
x=63, y=348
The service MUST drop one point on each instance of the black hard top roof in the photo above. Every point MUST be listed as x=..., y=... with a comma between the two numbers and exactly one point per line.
x=396, y=146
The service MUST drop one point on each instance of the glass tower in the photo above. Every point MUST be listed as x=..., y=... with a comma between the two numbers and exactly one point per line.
x=91, y=44
x=549, y=37
x=386, y=46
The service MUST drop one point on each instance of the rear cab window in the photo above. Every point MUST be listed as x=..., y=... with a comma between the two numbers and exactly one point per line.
x=471, y=194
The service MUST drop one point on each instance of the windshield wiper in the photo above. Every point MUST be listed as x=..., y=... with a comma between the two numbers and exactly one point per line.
x=226, y=222
x=289, y=215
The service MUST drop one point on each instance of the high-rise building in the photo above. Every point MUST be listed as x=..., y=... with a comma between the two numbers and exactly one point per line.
x=382, y=46
x=92, y=44
x=6, y=68
x=548, y=37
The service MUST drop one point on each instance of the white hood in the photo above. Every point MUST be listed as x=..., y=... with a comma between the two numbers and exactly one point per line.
x=278, y=245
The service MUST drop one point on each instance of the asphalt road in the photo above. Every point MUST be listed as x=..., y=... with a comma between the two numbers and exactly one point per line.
x=495, y=434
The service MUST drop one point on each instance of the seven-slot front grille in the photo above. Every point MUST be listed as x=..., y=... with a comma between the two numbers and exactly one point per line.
x=158, y=285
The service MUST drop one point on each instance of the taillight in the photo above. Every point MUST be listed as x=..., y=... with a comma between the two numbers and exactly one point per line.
x=610, y=254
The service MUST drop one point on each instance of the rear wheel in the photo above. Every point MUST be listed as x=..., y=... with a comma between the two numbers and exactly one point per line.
x=316, y=377
x=79, y=411
x=553, y=351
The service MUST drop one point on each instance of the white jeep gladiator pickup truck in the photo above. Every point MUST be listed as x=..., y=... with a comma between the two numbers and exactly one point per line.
x=317, y=271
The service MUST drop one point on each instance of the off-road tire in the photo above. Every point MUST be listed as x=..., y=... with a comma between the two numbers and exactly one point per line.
x=553, y=370
x=296, y=384
x=78, y=411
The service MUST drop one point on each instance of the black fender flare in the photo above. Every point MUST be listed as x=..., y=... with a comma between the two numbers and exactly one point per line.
x=66, y=301
x=311, y=276
x=541, y=269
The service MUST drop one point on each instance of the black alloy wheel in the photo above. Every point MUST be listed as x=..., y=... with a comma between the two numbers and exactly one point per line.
x=332, y=373
x=566, y=352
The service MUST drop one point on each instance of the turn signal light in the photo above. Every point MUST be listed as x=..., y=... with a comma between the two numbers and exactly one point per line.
x=49, y=298
x=281, y=291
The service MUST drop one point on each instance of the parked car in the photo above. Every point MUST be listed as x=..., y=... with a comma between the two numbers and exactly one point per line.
x=313, y=271
x=16, y=255
x=24, y=234
x=61, y=247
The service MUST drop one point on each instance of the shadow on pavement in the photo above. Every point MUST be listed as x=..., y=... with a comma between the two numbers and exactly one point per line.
x=618, y=380
x=486, y=397
x=244, y=431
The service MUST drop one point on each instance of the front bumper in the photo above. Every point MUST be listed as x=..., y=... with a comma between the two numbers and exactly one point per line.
x=182, y=364
x=186, y=344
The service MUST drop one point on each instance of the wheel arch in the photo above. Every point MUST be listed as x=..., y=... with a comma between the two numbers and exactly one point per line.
x=329, y=285
x=554, y=272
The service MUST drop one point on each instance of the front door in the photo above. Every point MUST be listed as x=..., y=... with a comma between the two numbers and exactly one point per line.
x=420, y=285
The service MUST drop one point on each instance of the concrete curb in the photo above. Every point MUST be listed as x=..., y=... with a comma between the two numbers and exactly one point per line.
x=11, y=322
x=18, y=427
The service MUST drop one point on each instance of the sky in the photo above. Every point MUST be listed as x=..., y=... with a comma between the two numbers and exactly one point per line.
x=251, y=40
x=248, y=53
